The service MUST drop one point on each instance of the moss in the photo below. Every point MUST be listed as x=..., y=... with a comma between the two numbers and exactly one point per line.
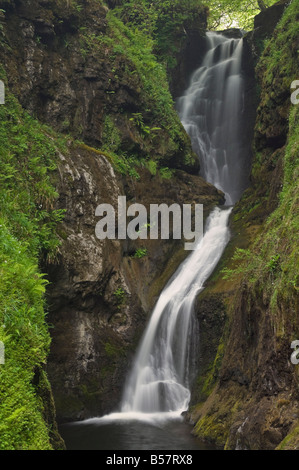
x=28, y=223
x=43, y=390
x=155, y=130
x=273, y=259
x=111, y=136
x=207, y=382
x=113, y=351
x=91, y=393
x=68, y=404
x=291, y=441
x=276, y=69
x=212, y=430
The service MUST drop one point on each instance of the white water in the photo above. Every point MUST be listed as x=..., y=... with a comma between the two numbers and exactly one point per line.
x=159, y=381
x=211, y=111
x=158, y=385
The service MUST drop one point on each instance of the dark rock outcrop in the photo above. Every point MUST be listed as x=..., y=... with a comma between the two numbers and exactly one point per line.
x=63, y=72
x=266, y=21
x=101, y=294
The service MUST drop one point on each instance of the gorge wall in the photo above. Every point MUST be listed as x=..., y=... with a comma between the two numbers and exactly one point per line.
x=246, y=396
x=73, y=68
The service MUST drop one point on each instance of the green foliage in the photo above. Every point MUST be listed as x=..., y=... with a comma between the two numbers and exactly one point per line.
x=152, y=167
x=24, y=333
x=28, y=157
x=175, y=20
x=138, y=49
x=272, y=261
x=140, y=253
x=138, y=120
x=76, y=5
x=155, y=128
x=159, y=120
x=224, y=14
x=27, y=228
x=239, y=257
x=166, y=21
x=166, y=173
x=111, y=139
x=273, y=264
x=278, y=65
x=169, y=21
x=119, y=294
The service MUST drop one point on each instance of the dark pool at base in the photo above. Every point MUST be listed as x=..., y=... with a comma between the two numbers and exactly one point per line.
x=132, y=435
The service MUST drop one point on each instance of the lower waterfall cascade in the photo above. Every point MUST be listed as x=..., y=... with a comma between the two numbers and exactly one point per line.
x=159, y=380
x=158, y=385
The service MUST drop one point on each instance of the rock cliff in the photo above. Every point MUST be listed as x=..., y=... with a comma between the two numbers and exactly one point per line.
x=72, y=67
x=247, y=392
x=102, y=291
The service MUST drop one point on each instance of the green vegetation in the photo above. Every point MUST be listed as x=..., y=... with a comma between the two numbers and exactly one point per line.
x=119, y=295
x=273, y=259
x=27, y=230
x=111, y=147
x=166, y=173
x=141, y=42
x=169, y=21
x=226, y=14
x=113, y=350
x=138, y=47
x=260, y=281
x=166, y=22
x=207, y=381
x=140, y=253
x=157, y=132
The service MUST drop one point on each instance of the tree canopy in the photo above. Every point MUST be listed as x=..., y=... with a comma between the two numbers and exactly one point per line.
x=225, y=14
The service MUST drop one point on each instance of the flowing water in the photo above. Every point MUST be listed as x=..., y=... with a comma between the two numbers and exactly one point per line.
x=212, y=111
x=159, y=381
x=157, y=390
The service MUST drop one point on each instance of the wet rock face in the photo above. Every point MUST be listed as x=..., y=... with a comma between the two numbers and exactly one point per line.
x=266, y=21
x=100, y=294
x=188, y=60
x=67, y=75
x=51, y=76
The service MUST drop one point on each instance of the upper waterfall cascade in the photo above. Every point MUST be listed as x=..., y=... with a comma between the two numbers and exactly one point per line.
x=212, y=109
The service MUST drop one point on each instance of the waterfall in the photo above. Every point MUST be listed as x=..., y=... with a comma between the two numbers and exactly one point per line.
x=211, y=112
x=159, y=379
